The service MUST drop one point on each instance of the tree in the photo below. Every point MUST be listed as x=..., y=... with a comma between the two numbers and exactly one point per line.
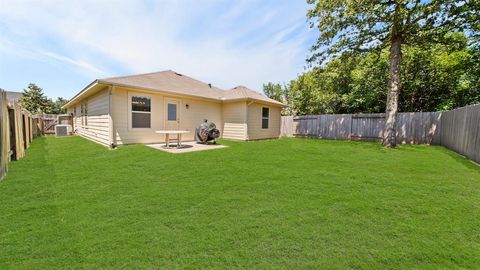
x=34, y=100
x=361, y=26
x=435, y=77
x=58, y=104
x=280, y=93
x=274, y=91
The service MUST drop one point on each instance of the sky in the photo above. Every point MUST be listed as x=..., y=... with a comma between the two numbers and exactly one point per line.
x=62, y=46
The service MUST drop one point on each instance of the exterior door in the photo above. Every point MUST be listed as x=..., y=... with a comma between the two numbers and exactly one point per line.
x=172, y=114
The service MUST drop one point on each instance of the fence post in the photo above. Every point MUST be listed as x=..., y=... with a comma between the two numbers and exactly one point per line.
x=351, y=127
x=4, y=135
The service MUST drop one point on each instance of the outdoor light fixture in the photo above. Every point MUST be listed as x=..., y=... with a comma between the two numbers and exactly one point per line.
x=187, y=106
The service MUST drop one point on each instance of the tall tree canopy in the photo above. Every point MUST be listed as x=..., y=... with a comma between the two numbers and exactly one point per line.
x=347, y=26
x=34, y=100
x=278, y=92
x=58, y=104
x=436, y=77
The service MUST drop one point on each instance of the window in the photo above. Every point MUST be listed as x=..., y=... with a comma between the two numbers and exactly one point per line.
x=141, y=112
x=265, y=116
x=172, y=112
x=84, y=113
x=81, y=113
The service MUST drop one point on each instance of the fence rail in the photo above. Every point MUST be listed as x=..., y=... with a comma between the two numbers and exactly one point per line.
x=458, y=130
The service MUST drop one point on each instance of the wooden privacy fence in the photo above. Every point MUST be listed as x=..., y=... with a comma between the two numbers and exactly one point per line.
x=412, y=128
x=15, y=132
x=458, y=130
x=45, y=123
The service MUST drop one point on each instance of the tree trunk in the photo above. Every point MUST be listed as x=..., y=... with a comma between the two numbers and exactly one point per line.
x=389, y=132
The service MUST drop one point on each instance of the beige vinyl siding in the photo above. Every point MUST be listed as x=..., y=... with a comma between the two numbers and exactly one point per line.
x=76, y=117
x=235, y=120
x=97, y=126
x=255, y=130
x=189, y=118
x=199, y=110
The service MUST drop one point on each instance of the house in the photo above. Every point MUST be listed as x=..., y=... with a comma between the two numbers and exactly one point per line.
x=129, y=109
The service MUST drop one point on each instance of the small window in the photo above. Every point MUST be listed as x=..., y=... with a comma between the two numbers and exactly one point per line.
x=172, y=112
x=265, y=117
x=141, y=109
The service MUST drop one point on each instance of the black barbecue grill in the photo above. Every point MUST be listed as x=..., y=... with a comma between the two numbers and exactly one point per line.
x=207, y=132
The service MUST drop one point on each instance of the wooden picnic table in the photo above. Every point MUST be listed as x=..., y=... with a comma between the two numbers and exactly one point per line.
x=173, y=132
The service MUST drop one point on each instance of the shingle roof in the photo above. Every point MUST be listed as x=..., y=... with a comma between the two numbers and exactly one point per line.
x=242, y=92
x=169, y=81
x=176, y=83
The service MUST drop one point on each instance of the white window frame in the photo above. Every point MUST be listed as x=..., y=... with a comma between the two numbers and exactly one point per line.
x=263, y=118
x=130, y=111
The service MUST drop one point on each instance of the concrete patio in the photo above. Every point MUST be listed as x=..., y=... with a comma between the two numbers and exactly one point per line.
x=186, y=147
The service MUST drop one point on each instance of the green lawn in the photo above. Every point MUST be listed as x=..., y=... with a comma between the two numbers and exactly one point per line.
x=289, y=203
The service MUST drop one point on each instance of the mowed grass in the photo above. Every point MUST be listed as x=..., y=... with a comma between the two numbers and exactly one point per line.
x=288, y=203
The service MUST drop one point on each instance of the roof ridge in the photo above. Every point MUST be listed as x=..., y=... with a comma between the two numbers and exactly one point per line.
x=245, y=90
x=140, y=74
x=215, y=88
x=193, y=79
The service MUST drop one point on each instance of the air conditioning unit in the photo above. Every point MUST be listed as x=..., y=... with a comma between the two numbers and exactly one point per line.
x=63, y=130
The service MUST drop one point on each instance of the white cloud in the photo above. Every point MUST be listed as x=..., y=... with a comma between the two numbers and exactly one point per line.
x=79, y=63
x=222, y=42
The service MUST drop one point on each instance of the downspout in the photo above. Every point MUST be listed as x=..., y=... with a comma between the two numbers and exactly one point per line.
x=246, y=118
x=112, y=141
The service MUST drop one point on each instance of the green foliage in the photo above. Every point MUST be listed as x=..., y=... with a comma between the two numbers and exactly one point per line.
x=274, y=91
x=308, y=97
x=57, y=105
x=273, y=204
x=347, y=27
x=433, y=76
x=280, y=93
x=436, y=77
x=361, y=26
x=34, y=100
